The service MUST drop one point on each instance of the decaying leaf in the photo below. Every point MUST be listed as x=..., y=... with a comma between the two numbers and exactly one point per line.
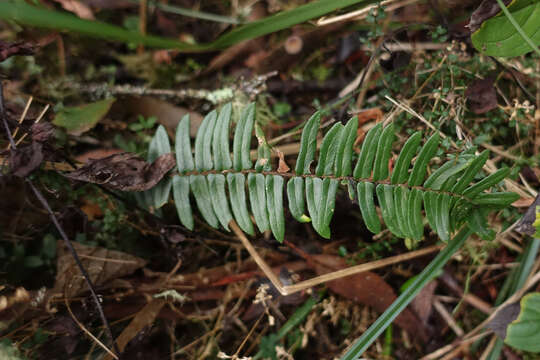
x=15, y=48
x=41, y=132
x=525, y=225
x=145, y=317
x=283, y=167
x=482, y=96
x=26, y=159
x=503, y=318
x=124, y=171
x=486, y=10
x=102, y=265
x=369, y=289
x=78, y=8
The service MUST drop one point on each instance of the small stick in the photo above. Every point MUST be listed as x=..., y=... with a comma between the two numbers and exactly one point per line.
x=96, y=340
x=21, y=118
x=68, y=243
x=291, y=289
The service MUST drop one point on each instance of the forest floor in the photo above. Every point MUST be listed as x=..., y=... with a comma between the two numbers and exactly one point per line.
x=171, y=293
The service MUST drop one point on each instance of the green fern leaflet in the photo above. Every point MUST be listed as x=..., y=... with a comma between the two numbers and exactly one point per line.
x=449, y=196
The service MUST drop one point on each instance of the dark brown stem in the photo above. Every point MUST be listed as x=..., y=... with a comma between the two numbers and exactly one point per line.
x=56, y=223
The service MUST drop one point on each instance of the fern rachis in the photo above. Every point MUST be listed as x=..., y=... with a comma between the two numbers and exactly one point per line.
x=219, y=183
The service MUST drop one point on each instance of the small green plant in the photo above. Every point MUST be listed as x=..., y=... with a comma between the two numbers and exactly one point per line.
x=453, y=198
x=447, y=195
x=143, y=124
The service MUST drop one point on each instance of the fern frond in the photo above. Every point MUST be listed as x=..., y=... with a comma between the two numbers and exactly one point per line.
x=448, y=196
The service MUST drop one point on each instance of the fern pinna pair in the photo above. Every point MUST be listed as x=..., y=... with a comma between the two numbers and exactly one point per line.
x=447, y=195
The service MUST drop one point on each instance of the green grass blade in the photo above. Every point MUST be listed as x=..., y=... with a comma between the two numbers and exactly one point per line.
x=21, y=12
x=369, y=336
x=283, y=20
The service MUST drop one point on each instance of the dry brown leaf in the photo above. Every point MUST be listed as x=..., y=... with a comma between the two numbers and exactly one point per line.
x=97, y=154
x=486, y=10
x=124, y=171
x=20, y=296
x=422, y=304
x=145, y=317
x=26, y=159
x=481, y=96
x=78, y=8
x=167, y=114
x=102, y=265
x=523, y=202
x=15, y=48
x=283, y=167
x=369, y=289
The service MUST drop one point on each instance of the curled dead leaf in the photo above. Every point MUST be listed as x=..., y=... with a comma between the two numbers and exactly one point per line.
x=283, y=167
x=102, y=265
x=15, y=48
x=26, y=159
x=481, y=95
x=124, y=171
x=41, y=132
x=370, y=289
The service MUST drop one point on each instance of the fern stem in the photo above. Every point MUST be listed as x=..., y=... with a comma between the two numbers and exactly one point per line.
x=339, y=178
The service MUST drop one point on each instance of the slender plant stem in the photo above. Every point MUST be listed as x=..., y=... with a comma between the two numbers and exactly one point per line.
x=361, y=345
x=56, y=223
x=518, y=28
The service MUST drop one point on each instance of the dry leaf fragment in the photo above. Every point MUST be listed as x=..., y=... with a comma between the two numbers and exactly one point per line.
x=283, y=167
x=15, y=48
x=102, y=265
x=41, y=132
x=78, y=8
x=486, y=10
x=145, y=317
x=482, y=96
x=525, y=225
x=124, y=171
x=26, y=159
x=367, y=288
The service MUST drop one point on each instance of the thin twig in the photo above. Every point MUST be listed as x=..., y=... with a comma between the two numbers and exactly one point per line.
x=291, y=289
x=68, y=243
x=85, y=330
